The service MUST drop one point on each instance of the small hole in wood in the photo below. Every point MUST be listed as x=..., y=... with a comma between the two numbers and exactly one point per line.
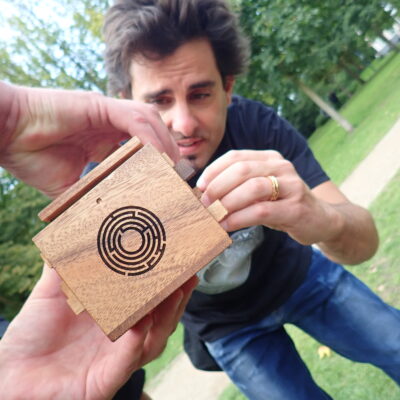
x=98, y=201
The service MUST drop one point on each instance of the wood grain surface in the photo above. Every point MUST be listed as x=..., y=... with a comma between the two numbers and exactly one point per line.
x=115, y=299
x=90, y=180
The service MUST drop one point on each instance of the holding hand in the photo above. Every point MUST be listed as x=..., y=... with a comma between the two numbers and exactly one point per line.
x=48, y=136
x=50, y=353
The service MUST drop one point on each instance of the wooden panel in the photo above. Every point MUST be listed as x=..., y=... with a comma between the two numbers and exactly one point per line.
x=130, y=241
x=90, y=180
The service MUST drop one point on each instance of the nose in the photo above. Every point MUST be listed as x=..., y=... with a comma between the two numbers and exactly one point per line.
x=182, y=119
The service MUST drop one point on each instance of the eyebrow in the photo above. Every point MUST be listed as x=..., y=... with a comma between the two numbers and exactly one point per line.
x=204, y=84
x=199, y=85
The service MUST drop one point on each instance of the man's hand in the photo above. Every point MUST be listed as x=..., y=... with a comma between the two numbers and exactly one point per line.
x=240, y=180
x=48, y=136
x=50, y=353
x=323, y=215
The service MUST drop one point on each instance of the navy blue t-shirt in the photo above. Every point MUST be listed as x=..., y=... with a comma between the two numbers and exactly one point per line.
x=280, y=264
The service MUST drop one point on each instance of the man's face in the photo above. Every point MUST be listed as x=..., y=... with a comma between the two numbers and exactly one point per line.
x=187, y=89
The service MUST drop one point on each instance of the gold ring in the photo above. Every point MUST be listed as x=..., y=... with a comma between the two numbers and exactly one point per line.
x=275, y=187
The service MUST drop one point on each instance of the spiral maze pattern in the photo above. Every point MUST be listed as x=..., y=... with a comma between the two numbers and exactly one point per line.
x=125, y=255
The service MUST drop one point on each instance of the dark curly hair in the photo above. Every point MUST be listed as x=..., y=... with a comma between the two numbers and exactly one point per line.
x=156, y=28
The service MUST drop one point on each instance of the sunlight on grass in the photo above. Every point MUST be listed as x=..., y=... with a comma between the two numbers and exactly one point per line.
x=373, y=111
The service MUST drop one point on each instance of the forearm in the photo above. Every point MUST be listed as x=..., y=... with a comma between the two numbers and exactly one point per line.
x=8, y=113
x=351, y=236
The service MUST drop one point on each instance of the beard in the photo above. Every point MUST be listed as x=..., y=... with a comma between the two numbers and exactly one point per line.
x=192, y=161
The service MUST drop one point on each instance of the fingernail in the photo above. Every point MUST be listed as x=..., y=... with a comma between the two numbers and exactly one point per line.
x=201, y=184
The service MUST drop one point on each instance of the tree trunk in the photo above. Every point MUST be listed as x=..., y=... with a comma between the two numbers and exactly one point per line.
x=352, y=74
x=393, y=46
x=326, y=107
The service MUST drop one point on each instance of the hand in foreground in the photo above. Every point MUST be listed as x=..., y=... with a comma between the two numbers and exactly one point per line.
x=50, y=353
x=48, y=136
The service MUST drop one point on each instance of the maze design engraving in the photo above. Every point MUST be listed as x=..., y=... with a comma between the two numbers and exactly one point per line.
x=131, y=240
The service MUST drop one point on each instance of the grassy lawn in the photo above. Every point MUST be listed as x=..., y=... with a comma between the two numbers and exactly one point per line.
x=372, y=110
x=341, y=378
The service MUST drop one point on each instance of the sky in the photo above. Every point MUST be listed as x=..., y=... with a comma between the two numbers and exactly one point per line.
x=9, y=8
x=7, y=11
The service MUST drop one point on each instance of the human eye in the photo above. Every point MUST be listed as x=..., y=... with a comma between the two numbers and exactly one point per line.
x=160, y=101
x=200, y=96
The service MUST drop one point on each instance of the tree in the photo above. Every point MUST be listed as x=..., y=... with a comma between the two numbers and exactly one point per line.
x=290, y=44
x=58, y=47
x=306, y=45
x=20, y=261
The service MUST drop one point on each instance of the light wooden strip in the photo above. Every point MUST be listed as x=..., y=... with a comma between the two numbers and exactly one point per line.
x=217, y=210
x=77, y=190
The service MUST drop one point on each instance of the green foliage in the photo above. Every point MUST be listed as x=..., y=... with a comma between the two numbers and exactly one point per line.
x=20, y=262
x=325, y=45
x=57, y=44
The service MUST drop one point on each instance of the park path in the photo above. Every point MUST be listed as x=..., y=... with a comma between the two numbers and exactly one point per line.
x=181, y=381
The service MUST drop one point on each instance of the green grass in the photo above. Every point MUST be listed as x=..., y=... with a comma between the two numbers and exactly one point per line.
x=341, y=378
x=372, y=110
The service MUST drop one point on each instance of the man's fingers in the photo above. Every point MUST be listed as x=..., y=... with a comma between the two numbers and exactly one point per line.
x=231, y=158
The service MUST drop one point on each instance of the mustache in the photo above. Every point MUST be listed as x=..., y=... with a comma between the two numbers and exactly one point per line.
x=180, y=136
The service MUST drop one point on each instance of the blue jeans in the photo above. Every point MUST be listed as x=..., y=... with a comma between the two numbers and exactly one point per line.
x=335, y=308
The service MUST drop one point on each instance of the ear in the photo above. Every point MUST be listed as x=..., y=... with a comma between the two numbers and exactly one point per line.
x=229, y=82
